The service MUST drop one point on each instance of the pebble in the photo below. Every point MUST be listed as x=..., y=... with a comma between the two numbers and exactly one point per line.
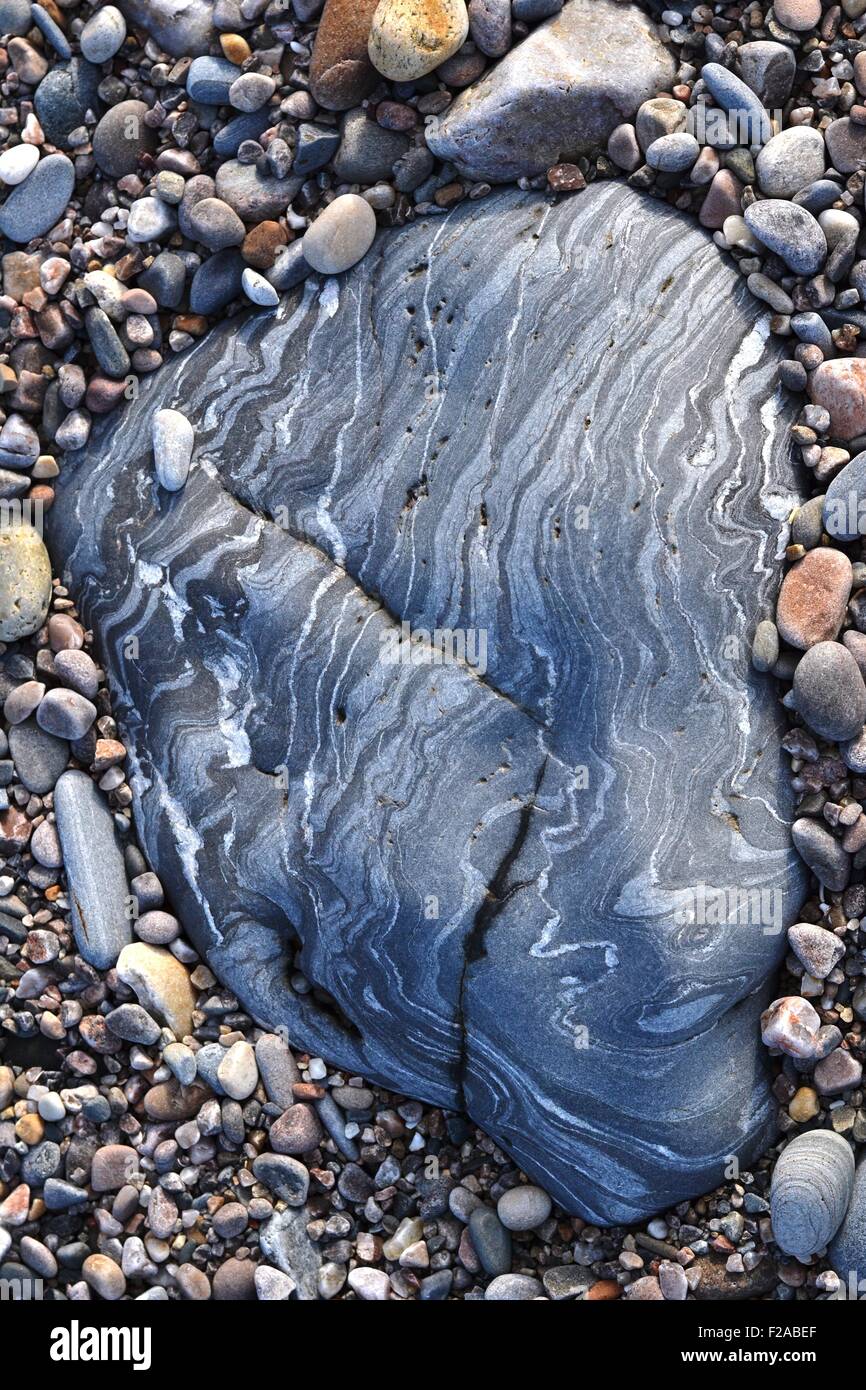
x=39, y=757
x=846, y=145
x=15, y=17
x=829, y=693
x=790, y=231
x=253, y=195
x=840, y=387
x=259, y=290
x=768, y=68
x=765, y=646
x=17, y=162
x=94, y=864
x=490, y=26
x=237, y=1072
x=134, y=1024
x=735, y=97
x=341, y=236
x=673, y=154
x=490, y=1240
x=210, y=79
x=160, y=982
x=104, y=1276
x=798, y=15
x=523, y=1208
x=25, y=582
x=173, y=440
x=371, y=1285
x=367, y=152
x=341, y=74
x=121, y=137
x=838, y=1072
x=623, y=147
x=824, y=854
x=103, y=34
x=810, y=1192
x=816, y=948
x=150, y=219
x=251, y=91
x=814, y=597
x=65, y=714
x=35, y=205
x=847, y=1252
x=283, y=1175
x=272, y=1285
x=513, y=1288
x=157, y=928
x=316, y=144
x=790, y=161
x=296, y=1131
x=409, y=38
x=215, y=224
x=791, y=1025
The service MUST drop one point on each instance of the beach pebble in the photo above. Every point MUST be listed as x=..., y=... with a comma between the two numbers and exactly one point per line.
x=490, y=26
x=798, y=15
x=210, y=79
x=251, y=91
x=341, y=73
x=829, y=692
x=16, y=163
x=490, y=1240
x=409, y=38
x=790, y=231
x=673, y=154
x=258, y=290
x=765, y=646
x=838, y=1072
x=810, y=1191
x=35, y=205
x=768, y=68
x=840, y=387
x=103, y=34
x=341, y=236
x=121, y=137
x=105, y=1277
x=790, y=160
x=25, y=582
x=150, y=219
x=847, y=1251
x=822, y=852
x=523, y=1208
x=816, y=948
x=513, y=1288
x=161, y=984
x=237, y=1072
x=94, y=864
x=65, y=714
x=286, y=1177
x=173, y=439
x=791, y=1025
x=814, y=597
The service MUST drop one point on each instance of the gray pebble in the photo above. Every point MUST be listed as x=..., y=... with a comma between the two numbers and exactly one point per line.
x=811, y=1188
x=39, y=757
x=33, y=207
x=513, y=1288
x=65, y=714
x=103, y=34
x=829, y=692
x=134, y=1024
x=173, y=440
x=765, y=646
x=209, y=80
x=491, y=1241
x=286, y=1177
x=791, y=160
x=94, y=864
x=791, y=232
x=673, y=154
x=825, y=856
x=367, y=152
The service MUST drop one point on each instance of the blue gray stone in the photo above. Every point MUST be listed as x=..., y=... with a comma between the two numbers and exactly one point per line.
x=811, y=1188
x=34, y=206
x=844, y=510
x=209, y=79
x=847, y=1253
x=753, y=123
x=63, y=98
x=496, y=873
x=790, y=231
x=94, y=865
x=552, y=97
x=182, y=28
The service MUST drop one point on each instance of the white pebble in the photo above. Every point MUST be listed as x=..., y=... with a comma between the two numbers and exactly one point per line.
x=17, y=163
x=173, y=441
x=258, y=289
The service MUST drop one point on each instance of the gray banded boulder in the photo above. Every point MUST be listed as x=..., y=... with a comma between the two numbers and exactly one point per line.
x=540, y=869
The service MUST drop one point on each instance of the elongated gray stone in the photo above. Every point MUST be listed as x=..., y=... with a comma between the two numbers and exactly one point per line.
x=94, y=866
x=556, y=95
x=506, y=870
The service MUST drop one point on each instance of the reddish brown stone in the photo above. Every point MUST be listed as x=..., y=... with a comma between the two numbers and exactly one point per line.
x=840, y=386
x=15, y=830
x=297, y=1130
x=604, y=1291
x=341, y=73
x=724, y=199
x=260, y=246
x=813, y=598
x=566, y=178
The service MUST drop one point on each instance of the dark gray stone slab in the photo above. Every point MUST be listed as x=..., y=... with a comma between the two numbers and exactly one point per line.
x=548, y=424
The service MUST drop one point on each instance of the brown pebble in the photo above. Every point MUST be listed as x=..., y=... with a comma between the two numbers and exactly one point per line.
x=813, y=598
x=604, y=1291
x=234, y=1282
x=566, y=178
x=341, y=73
x=235, y=48
x=296, y=1131
x=260, y=245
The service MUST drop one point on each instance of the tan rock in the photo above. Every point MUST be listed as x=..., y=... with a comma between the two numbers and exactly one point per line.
x=798, y=15
x=25, y=582
x=409, y=38
x=160, y=982
x=804, y=1105
x=840, y=386
x=813, y=598
x=341, y=73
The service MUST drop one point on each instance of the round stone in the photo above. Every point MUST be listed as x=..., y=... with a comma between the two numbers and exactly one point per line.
x=790, y=231
x=840, y=387
x=341, y=236
x=25, y=582
x=121, y=137
x=673, y=154
x=105, y=1277
x=829, y=692
x=523, y=1208
x=251, y=91
x=215, y=224
x=813, y=598
x=157, y=928
x=790, y=160
x=513, y=1288
x=798, y=15
x=149, y=220
x=409, y=38
x=103, y=34
x=65, y=714
x=237, y=1072
x=296, y=1131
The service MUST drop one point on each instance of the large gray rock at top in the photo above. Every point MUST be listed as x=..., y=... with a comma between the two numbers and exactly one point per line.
x=183, y=28
x=549, y=423
x=557, y=95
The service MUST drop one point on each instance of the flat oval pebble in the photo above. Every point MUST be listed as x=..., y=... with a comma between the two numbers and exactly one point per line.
x=103, y=34
x=121, y=137
x=259, y=290
x=341, y=236
x=790, y=160
x=673, y=154
x=523, y=1208
x=829, y=692
x=409, y=38
x=173, y=440
x=840, y=387
x=35, y=205
x=790, y=231
x=25, y=582
x=810, y=1191
x=17, y=163
x=814, y=597
x=65, y=714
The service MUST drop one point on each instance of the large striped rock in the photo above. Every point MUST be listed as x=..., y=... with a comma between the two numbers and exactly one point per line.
x=547, y=425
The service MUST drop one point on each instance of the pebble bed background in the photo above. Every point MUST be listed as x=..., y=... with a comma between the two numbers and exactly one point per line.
x=153, y=1142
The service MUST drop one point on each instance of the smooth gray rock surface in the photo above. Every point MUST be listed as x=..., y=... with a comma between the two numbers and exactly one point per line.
x=94, y=866
x=493, y=874
x=556, y=95
x=183, y=28
x=847, y=1251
